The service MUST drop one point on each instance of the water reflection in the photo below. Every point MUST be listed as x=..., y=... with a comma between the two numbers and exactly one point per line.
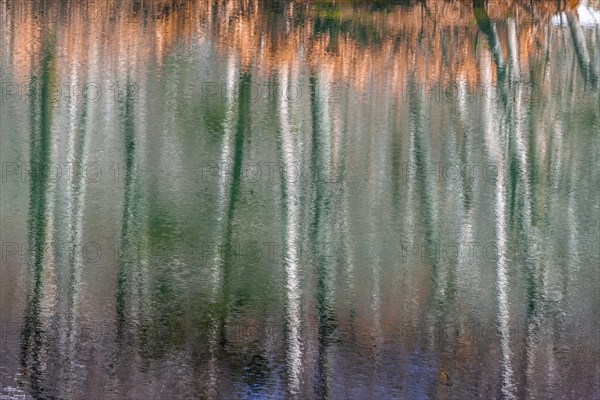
x=299, y=199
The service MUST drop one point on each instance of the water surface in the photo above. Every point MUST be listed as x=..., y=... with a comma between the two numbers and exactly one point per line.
x=249, y=199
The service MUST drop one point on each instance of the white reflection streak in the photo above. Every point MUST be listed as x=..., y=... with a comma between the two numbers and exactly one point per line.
x=500, y=209
x=466, y=227
x=512, y=49
x=75, y=222
x=491, y=132
x=497, y=48
x=520, y=142
x=521, y=146
x=225, y=160
x=66, y=329
x=409, y=175
x=376, y=174
x=573, y=256
x=556, y=157
x=294, y=351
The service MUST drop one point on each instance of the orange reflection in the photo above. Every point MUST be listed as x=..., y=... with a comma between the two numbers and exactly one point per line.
x=433, y=42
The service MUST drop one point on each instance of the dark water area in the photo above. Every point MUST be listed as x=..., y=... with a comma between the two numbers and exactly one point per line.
x=304, y=200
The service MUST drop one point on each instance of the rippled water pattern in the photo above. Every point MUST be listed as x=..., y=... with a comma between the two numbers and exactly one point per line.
x=275, y=199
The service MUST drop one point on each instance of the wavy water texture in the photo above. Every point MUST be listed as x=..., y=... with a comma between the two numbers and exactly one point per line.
x=299, y=199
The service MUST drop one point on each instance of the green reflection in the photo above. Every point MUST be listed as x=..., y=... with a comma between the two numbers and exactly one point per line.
x=35, y=329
